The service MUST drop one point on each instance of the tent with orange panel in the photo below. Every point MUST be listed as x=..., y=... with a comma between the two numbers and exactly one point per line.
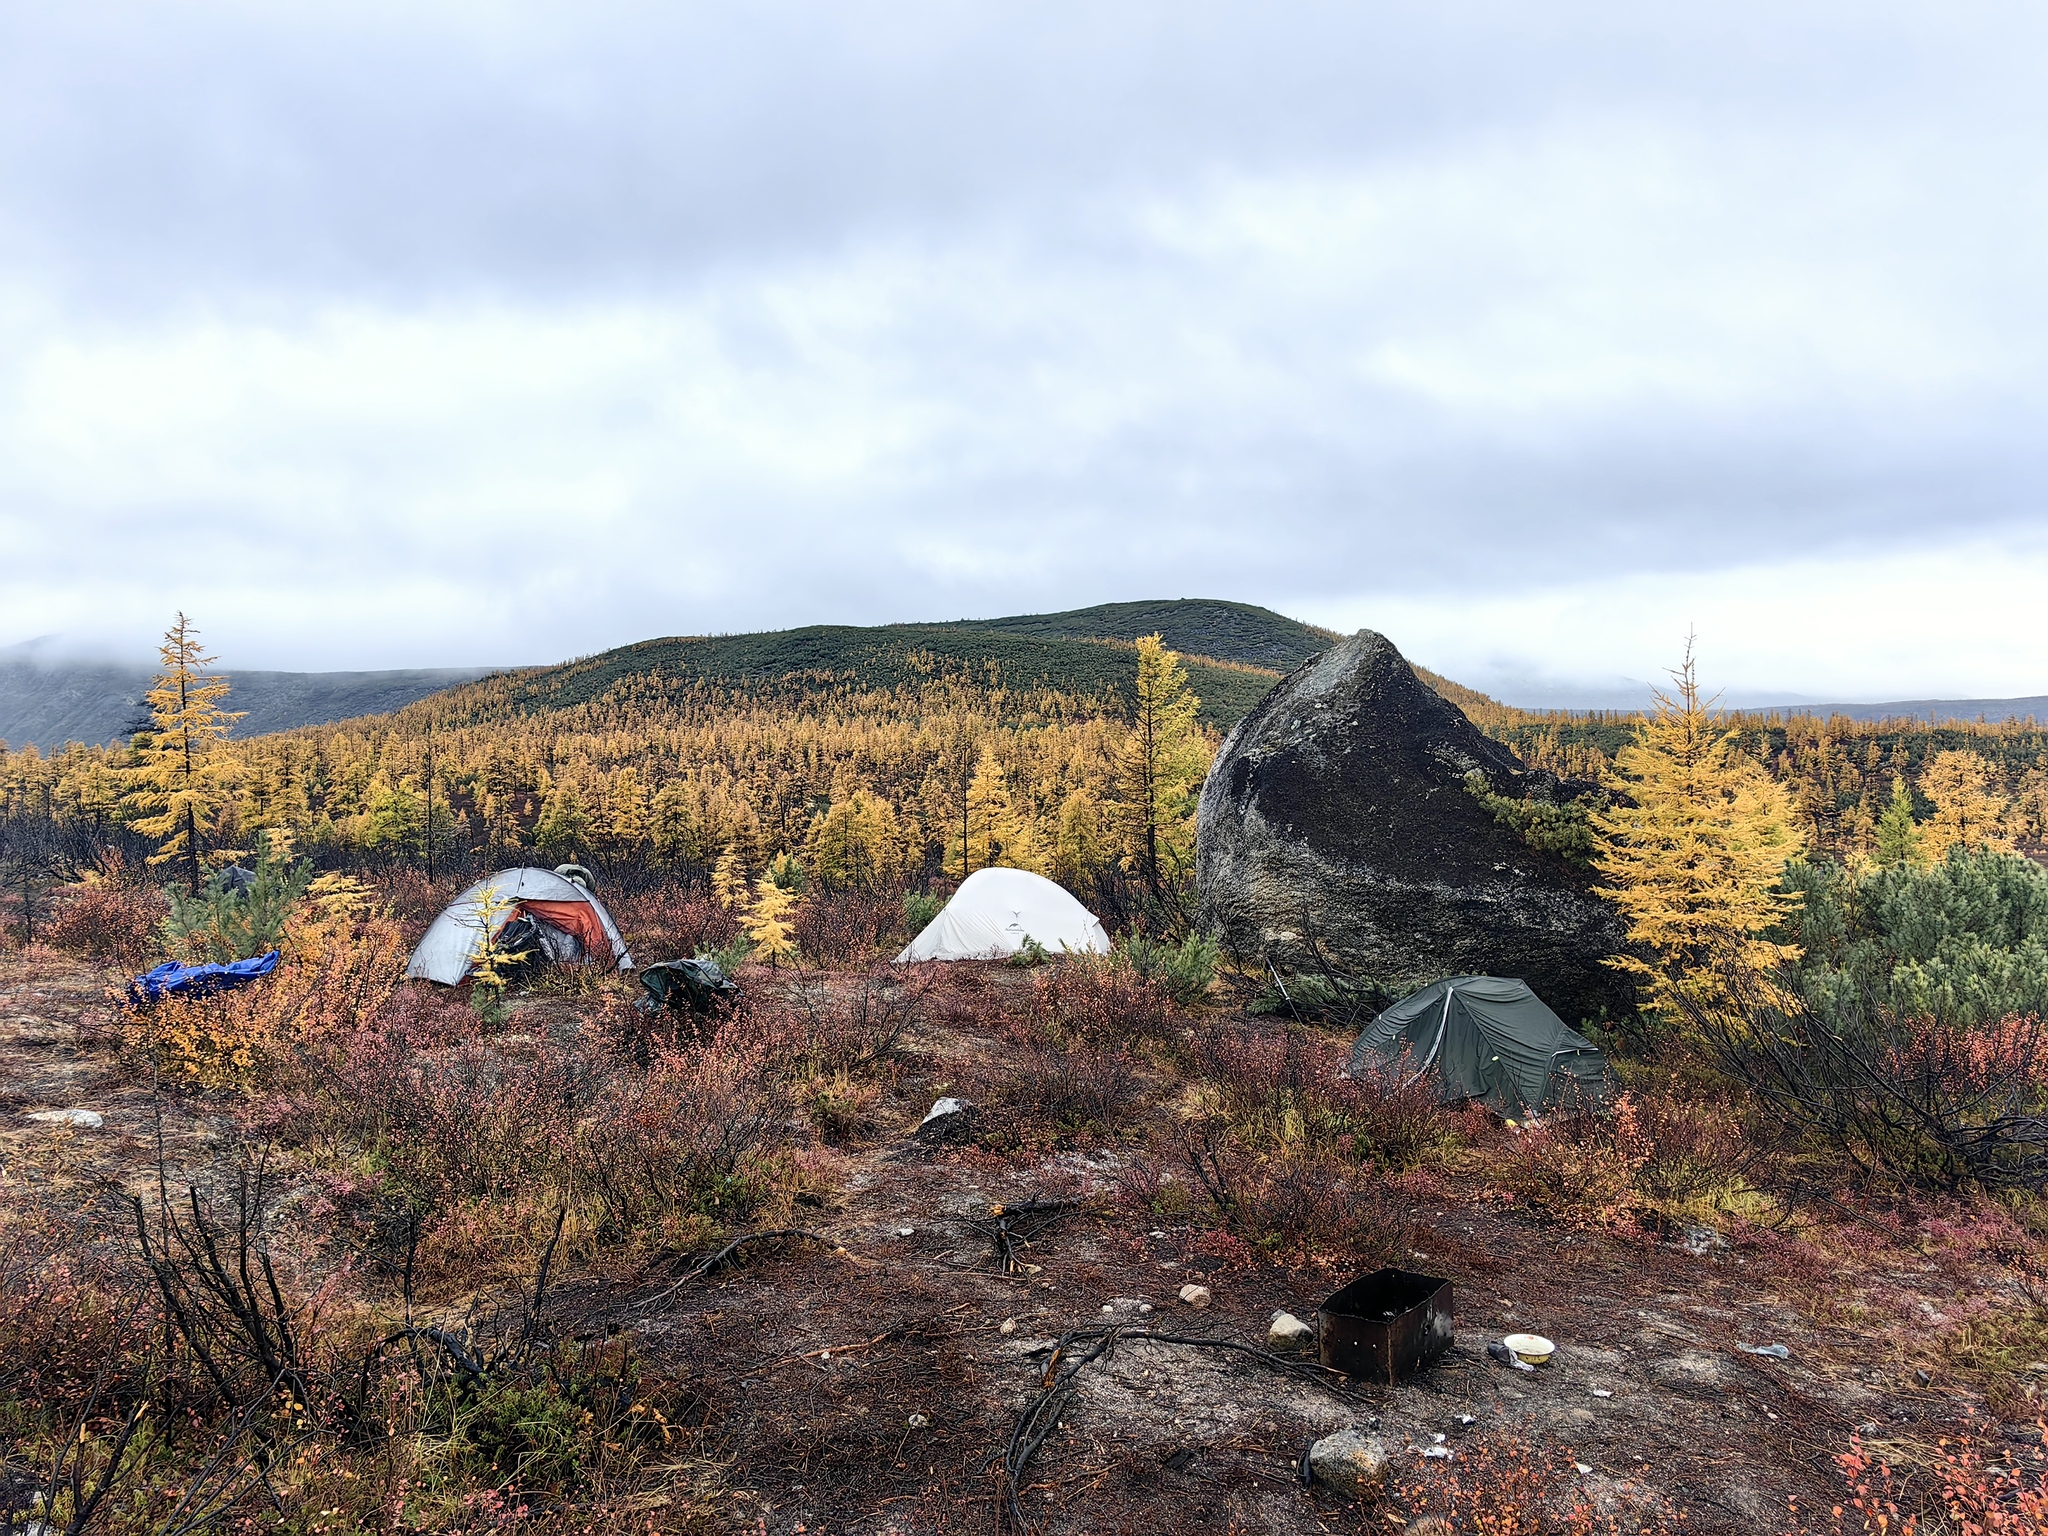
x=544, y=912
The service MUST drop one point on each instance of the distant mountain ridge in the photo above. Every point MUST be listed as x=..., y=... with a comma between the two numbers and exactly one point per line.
x=1233, y=653
x=1932, y=711
x=51, y=702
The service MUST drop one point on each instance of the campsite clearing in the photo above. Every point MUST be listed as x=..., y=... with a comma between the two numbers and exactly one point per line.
x=869, y=1382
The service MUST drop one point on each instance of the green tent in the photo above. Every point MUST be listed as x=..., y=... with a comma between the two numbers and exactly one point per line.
x=1486, y=1038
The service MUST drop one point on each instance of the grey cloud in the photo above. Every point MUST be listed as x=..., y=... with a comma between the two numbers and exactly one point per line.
x=971, y=309
x=165, y=151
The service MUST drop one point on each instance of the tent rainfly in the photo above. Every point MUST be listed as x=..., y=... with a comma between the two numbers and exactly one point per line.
x=996, y=910
x=559, y=917
x=1486, y=1038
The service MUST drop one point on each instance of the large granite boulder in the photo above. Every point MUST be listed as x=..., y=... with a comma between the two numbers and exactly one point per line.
x=1337, y=820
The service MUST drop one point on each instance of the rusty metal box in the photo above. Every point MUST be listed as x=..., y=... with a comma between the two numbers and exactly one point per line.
x=1386, y=1326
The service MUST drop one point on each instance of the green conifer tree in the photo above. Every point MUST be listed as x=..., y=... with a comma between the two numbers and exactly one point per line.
x=1898, y=836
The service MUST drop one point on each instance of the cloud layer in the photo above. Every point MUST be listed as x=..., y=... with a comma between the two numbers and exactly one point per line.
x=509, y=333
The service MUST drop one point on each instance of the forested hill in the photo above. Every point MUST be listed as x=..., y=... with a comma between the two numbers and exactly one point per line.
x=1233, y=653
x=1194, y=626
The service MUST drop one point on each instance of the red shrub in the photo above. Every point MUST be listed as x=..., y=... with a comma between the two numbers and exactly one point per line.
x=1500, y=1485
x=110, y=924
x=824, y=1024
x=1967, y=1234
x=409, y=896
x=1049, y=1089
x=1105, y=1004
x=66, y=1310
x=1782, y=1252
x=672, y=922
x=845, y=927
x=1695, y=1144
x=685, y=1139
x=1287, y=1085
x=1973, y=1494
x=452, y=1117
x=1299, y=1204
x=1581, y=1169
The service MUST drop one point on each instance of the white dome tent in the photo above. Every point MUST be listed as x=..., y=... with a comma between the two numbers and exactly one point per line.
x=996, y=910
x=568, y=922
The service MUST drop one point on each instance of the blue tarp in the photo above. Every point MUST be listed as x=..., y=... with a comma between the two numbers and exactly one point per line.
x=174, y=980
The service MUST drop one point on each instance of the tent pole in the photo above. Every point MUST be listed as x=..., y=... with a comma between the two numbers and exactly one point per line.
x=1443, y=1025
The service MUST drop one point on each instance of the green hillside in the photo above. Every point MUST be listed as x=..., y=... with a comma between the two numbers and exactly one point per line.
x=1194, y=626
x=1086, y=652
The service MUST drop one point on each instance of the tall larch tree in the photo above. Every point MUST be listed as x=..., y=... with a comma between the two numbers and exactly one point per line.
x=1694, y=852
x=1969, y=810
x=856, y=842
x=729, y=880
x=998, y=828
x=767, y=924
x=1163, y=763
x=564, y=825
x=176, y=784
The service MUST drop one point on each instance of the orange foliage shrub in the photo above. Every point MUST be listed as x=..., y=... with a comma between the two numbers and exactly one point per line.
x=337, y=970
x=847, y=927
x=1694, y=1144
x=1288, y=1085
x=1502, y=1486
x=672, y=922
x=65, y=1310
x=1102, y=1003
x=1973, y=1495
x=1296, y=1206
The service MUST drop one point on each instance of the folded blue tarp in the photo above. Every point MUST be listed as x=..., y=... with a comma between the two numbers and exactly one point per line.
x=174, y=980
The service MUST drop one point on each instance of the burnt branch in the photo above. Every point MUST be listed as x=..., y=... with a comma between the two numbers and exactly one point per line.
x=1038, y=1418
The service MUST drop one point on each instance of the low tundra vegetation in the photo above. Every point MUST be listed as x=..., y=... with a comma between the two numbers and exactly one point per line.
x=382, y=1305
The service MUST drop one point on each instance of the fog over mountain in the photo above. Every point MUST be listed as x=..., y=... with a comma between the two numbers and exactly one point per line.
x=49, y=696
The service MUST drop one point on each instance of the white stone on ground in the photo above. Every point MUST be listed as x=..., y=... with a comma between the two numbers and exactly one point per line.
x=1287, y=1331
x=944, y=1115
x=83, y=1119
x=1196, y=1296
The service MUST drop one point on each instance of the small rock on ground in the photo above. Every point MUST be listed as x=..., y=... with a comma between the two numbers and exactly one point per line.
x=1287, y=1331
x=1196, y=1296
x=945, y=1118
x=84, y=1119
x=1352, y=1464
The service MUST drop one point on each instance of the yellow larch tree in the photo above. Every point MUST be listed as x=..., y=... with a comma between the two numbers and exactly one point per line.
x=1969, y=811
x=729, y=879
x=767, y=923
x=1896, y=837
x=857, y=841
x=1164, y=760
x=1078, y=843
x=1694, y=852
x=998, y=829
x=177, y=783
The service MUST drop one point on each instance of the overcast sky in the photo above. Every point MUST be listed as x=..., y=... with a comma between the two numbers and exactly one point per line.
x=392, y=335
